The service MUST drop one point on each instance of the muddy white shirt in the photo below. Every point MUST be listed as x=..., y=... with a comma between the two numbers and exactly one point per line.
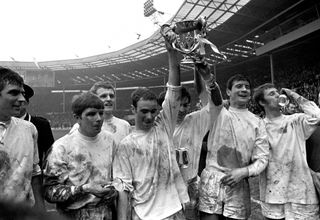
x=287, y=177
x=18, y=161
x=189, y=134
x=75, y=160
x=119, y=127
x=238, y=139
x=146, y=163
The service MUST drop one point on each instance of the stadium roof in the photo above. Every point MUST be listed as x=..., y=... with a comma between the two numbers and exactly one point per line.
x=239, y=28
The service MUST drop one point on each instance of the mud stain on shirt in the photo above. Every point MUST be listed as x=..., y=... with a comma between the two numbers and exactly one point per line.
x=228, y=157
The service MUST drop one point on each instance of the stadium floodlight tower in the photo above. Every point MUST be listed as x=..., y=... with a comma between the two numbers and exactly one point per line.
x=149, y=8
x=151, y=12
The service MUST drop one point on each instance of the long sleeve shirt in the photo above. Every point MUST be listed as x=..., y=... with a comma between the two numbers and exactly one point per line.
x=145, y=162
x=287, y=177
x=238, y=139
x=76, y=160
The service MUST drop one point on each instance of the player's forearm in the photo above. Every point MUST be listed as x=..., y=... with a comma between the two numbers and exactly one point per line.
x=307, y=106
x=36, y=183
x=257, y=167
x=209, y=78
x=122, y=205
x=215, y=93
x=198, y=82
x=56, y=192
x=174, y=68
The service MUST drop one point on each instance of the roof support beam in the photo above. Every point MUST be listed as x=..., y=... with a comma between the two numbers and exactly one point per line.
x=294, y=35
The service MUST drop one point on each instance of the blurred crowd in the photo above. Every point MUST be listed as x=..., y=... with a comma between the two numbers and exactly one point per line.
x=304, y=80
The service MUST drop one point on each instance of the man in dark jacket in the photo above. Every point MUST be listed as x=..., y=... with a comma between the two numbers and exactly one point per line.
x=45, y=137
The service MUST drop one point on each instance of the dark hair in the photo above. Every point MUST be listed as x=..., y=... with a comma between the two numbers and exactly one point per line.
x=98, y=85
x=161, y=97
x=258, y=94
x=8, y=76
x=185, y=93
x=237, y=78
x=85, y=100
x=142, y=93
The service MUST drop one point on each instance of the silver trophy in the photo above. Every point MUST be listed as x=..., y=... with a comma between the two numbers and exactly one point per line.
x=283, y=100
x=190, y=39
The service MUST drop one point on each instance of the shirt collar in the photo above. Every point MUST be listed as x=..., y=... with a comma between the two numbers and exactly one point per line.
x=23, y=116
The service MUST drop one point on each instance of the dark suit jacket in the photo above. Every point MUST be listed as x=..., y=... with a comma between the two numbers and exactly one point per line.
x=45, y=136
x=313, y=150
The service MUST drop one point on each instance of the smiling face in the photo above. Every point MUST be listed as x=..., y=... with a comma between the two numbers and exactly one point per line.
x=239, y=94
x=145, y=113
x=90, y=121
x=11, y=100
x=108, y=97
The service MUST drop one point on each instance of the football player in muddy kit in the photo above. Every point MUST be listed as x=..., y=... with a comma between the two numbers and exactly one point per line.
x=238, y=148
x=78, y=171
x=286, y=186
x=145, y=160
x=190, y=131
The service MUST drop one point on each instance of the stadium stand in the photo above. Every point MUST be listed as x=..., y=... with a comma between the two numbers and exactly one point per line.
x=266, y=40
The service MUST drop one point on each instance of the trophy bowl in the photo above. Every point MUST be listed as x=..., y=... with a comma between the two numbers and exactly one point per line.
x=190, y=39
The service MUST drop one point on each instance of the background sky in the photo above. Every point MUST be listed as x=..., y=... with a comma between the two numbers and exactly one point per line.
x=46, y=30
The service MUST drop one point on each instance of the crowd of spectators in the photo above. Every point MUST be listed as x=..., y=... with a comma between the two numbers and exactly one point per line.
x=304, y=79
x=59, y=120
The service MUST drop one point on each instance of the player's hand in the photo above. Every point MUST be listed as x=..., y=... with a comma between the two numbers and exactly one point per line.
x=203, y=69
x=294, y=96
x=98, y=190
x=169, y=37
x=285, y=91
x=234, y=176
